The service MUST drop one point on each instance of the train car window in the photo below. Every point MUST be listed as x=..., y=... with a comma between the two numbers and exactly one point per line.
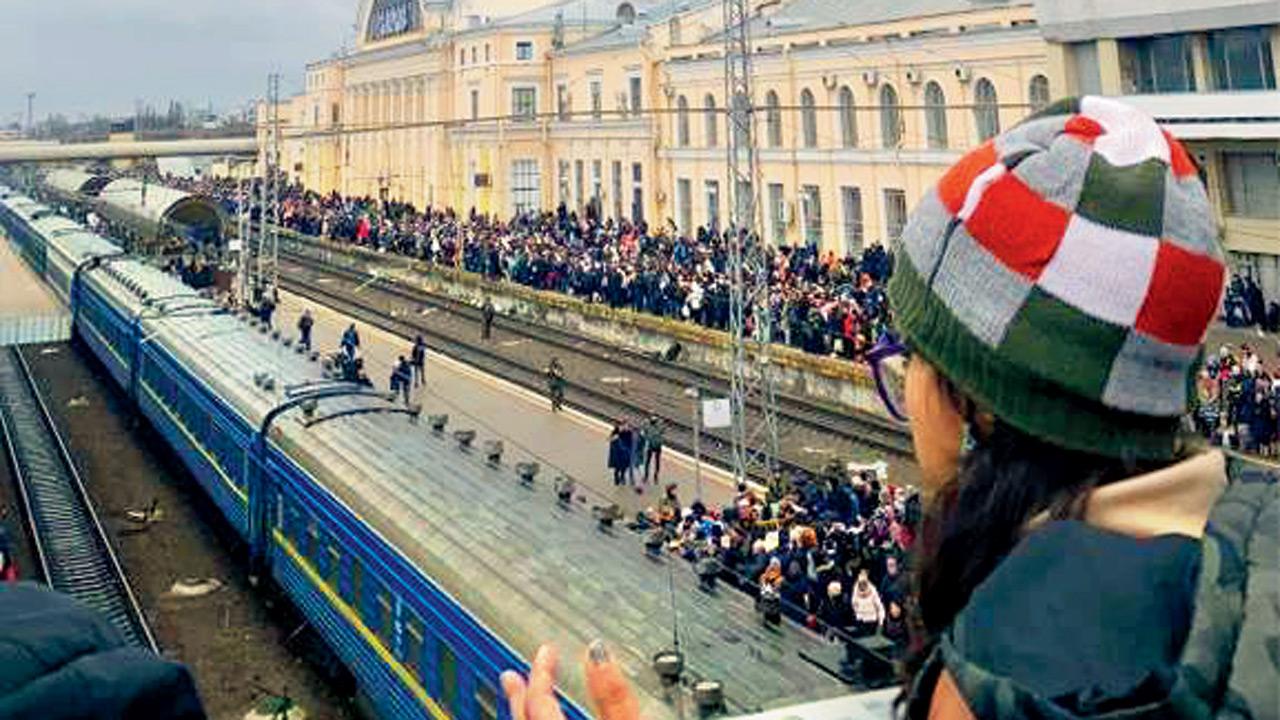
x=383, y=625
x=413, y=643
x=486, y=702
x=310, y=542
x=331, y=572
x=353, y=591
x=448, y=667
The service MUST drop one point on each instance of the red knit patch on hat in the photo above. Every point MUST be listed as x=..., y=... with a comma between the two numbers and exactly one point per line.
x=954, y=185
x=1181, y=163
x=1183, y=296
x=1084, y=128
x=1022, y=229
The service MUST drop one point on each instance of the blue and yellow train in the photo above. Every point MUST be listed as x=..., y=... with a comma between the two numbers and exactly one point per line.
x=426, y=568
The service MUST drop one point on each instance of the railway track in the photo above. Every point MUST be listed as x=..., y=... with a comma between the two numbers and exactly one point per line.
x=73, y=552
x=397, y=309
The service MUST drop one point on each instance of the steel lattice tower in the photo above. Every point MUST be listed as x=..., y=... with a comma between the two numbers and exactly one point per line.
x=755, y=440
x=269, y=217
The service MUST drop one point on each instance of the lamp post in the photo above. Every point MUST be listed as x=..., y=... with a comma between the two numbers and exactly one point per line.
x=696, y=395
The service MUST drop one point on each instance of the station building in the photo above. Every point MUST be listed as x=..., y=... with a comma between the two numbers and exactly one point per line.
x=1207, y=70
x=522, y=104
x=511, y=105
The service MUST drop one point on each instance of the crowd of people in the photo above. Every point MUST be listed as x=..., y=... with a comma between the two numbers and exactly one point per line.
x=820, y=302
x=1237, y=401
x=829, y=553
x=1244, y=306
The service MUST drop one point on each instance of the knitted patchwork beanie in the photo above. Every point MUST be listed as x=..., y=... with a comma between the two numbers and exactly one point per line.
x=1063, y=275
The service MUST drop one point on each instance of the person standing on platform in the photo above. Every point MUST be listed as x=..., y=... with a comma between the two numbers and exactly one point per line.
x=653, y=436
x=419, y=361
x=404, y=372
x=350, y=341
x=620, y=452
x=555, y=384
x=638, y=454
x=305, y=323
x=486, y=314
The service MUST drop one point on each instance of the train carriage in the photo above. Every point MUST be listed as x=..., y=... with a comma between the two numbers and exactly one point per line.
x=426, y=569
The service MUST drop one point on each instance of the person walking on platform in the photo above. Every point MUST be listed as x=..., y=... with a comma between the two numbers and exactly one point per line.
x=419, y=356
x=305, y=323
x=638, y=454
x=350, y=341
x=653, y=437
x=620, y=452
x=1080, y=554
x=486, y=319
x=555, y=384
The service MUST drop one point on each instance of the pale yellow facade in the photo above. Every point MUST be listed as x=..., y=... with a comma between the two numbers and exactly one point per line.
x=532, y=110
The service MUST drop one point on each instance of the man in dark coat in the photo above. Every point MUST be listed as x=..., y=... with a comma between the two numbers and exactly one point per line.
x=486, y=313
x=305, y=323
x=419, y=359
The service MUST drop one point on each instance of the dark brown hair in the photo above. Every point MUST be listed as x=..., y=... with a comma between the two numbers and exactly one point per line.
x=977, y=518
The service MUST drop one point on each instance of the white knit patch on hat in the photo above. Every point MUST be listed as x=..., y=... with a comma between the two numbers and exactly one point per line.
x=979, y=186
x=1102, y=271
x=1131, y=135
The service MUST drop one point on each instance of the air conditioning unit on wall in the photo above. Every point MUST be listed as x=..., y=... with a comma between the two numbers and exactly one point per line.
x=914, y=76
x=963, y=73
x=870, y=77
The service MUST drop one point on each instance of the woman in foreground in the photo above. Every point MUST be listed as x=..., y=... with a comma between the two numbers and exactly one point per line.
x=1080, y=557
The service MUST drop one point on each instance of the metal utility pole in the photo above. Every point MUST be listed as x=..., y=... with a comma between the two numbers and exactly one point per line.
x=31, y=117
x=269, y=193
x=755, y=440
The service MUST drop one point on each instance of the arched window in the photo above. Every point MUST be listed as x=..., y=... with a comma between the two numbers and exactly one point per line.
x=711, y=119
x=772, y=119
x=392, y=17
x=1038, y=93
x=890, y=117
x=682, y=121
x=808, y=119
x=986, y=114
x=848, y=119
x=935, y=115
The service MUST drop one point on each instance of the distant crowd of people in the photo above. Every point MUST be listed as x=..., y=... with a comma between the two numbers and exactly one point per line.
x=820, y=302
x=1244, y=306
x=830, y=553
x=1238, y=402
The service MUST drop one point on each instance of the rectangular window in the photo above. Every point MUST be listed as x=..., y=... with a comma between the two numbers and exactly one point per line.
x=597, y=101
x=311, y=543
x=712, y=190
x=1157, y=64
x=524, y=50
x=357, y=582
x=778, y=212
x=811, y=202
x=524, y=103
x=636, y=103
x=684, y=200
x=637, y=192
x=1252, y=184
x=563, y=168
x=475, y=104
x=1084, y=56
x=579, y=181
x=383, y=626
x=413, y=643
x=616, y=185
x=851, y=207
x=597, y=182
x=335, y=114
x=895, y=213
x=562, y=102
x=525, y=186
x=486, y=702
x=1241, y=59
x=449, y=679
x=331, y=569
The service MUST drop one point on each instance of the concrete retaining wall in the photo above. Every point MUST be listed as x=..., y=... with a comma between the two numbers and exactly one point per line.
x=826, y=380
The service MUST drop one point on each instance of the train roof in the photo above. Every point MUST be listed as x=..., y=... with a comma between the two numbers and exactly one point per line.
x=74, y=183
x=150, y=208
x=529, y=571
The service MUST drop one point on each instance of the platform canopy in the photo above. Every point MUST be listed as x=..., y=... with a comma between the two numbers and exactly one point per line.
x=152, y=212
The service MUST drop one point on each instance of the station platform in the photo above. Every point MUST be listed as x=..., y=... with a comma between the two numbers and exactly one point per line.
x=568, y=443
x=29, y=311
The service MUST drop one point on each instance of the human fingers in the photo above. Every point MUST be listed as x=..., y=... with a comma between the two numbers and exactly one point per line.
x=608, y=687
x=513, y=686
x=541, y=702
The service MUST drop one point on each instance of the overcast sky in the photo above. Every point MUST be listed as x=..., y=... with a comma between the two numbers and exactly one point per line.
x=99, y=56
